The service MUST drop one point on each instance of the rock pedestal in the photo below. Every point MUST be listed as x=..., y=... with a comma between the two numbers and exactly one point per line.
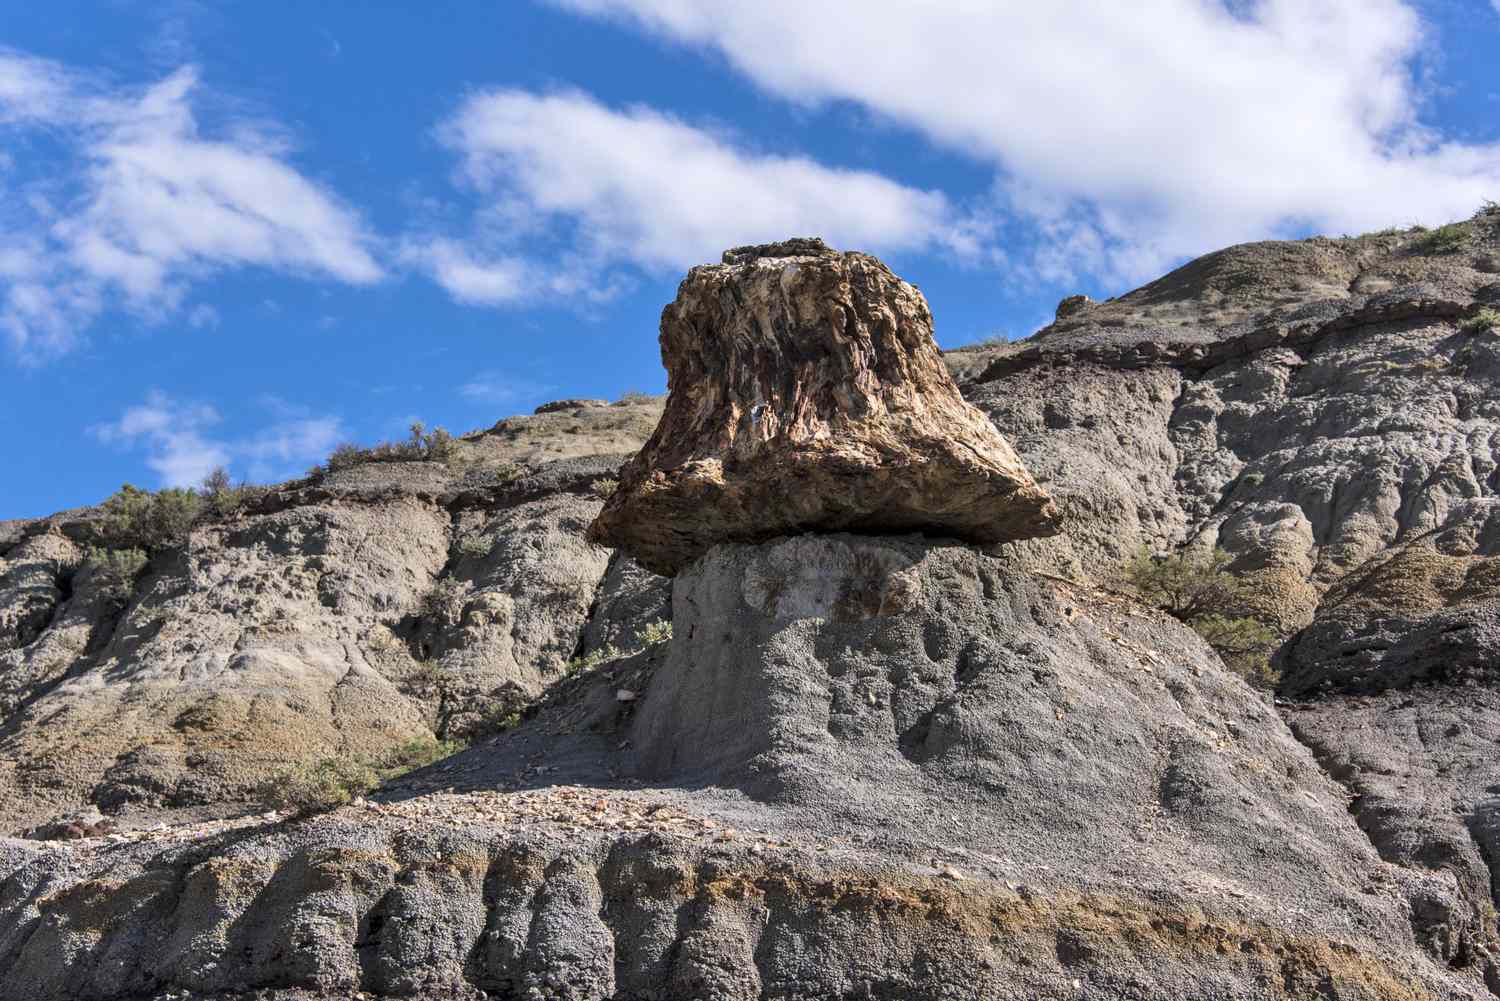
x=807, y=393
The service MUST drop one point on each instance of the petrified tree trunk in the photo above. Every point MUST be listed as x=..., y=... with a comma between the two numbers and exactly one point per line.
x=807, y=394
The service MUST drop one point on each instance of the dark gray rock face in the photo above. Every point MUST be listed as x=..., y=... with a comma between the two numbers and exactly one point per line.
x=921, y=772
x=1396, y=687
x=1326, y=412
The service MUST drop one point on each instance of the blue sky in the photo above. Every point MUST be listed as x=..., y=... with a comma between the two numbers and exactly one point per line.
x=240, y=234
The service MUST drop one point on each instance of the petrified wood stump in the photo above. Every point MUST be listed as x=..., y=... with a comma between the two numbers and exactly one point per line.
x=807, y=394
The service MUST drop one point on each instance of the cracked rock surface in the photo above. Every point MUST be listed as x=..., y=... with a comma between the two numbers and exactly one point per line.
x=1326, y=412
x=916, y=772
x=309, y=626
x=860, y=767
x=807, y=394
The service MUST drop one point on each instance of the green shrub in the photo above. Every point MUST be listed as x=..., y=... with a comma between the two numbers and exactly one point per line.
x=653, y=633
x=221, y=498
x=422, y=445
x=116, y=570
x=475, y=546
x=501, y=719
x=1447, y=239
x=1244, y=643
x=317, y=787
x=604, y=486
x=646, y=637
x=1482, y=320
x=603, y=655
x=1198, y=589
x=413, y=754
x=136, y=518
x=346, y=455
x=1187, y=585
x=445, y=599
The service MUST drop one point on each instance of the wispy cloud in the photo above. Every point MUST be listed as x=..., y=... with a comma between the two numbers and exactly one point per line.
x=1125, y=135
x=143, y=205
x=181, y=446
x=601, y=190
x=203, y=317
x=498, y=388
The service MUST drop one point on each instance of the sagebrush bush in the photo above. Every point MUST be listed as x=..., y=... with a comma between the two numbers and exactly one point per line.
x=317, y=787
x=603, y=655
x=475, y=545
x=221, y=498
x=1198, y=589
x=654, y=632
x=421, y=445
x=1187, y=585
x=1243, y=643
x=445, y=599
x=320, y=786
x=141, y=519
x=1482, y=320
x=418, y=752
x=1447, y=239
x=116, y=570
x=646, y=637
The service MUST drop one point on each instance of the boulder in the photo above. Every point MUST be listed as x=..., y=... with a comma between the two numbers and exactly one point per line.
x=563, y=406
x=1071, y=305
x=807, y=393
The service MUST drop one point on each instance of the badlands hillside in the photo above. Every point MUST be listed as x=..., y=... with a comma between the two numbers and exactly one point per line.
x=904, y=721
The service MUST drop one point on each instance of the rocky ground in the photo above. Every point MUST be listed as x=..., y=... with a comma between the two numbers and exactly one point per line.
x=971, y=782
x=336, y=615
x=859, y=768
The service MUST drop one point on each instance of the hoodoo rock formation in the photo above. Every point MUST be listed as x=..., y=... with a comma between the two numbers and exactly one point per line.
x=807, y=393
x=858, y=764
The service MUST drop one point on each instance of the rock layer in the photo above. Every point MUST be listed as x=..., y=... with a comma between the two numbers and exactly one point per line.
x=861, y=768
x=807, y=393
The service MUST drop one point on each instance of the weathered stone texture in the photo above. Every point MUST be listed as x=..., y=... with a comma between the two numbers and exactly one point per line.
x=807, y=393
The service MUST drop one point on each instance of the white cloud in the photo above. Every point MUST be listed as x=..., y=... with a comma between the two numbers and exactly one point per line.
x=498, y=388
x=1126, y=135
x=203, y=317
x=181, y=448
x=143, y=204
x=640, y=187
x=470, y=279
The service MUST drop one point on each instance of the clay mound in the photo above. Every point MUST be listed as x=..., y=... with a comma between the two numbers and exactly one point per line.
x=860, y=768
x=807, y=393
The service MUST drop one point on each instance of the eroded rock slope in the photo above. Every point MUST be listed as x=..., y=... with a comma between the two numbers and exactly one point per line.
x=861, y=768
x=335, y=616
x=838, y=728
x=1327, y=412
